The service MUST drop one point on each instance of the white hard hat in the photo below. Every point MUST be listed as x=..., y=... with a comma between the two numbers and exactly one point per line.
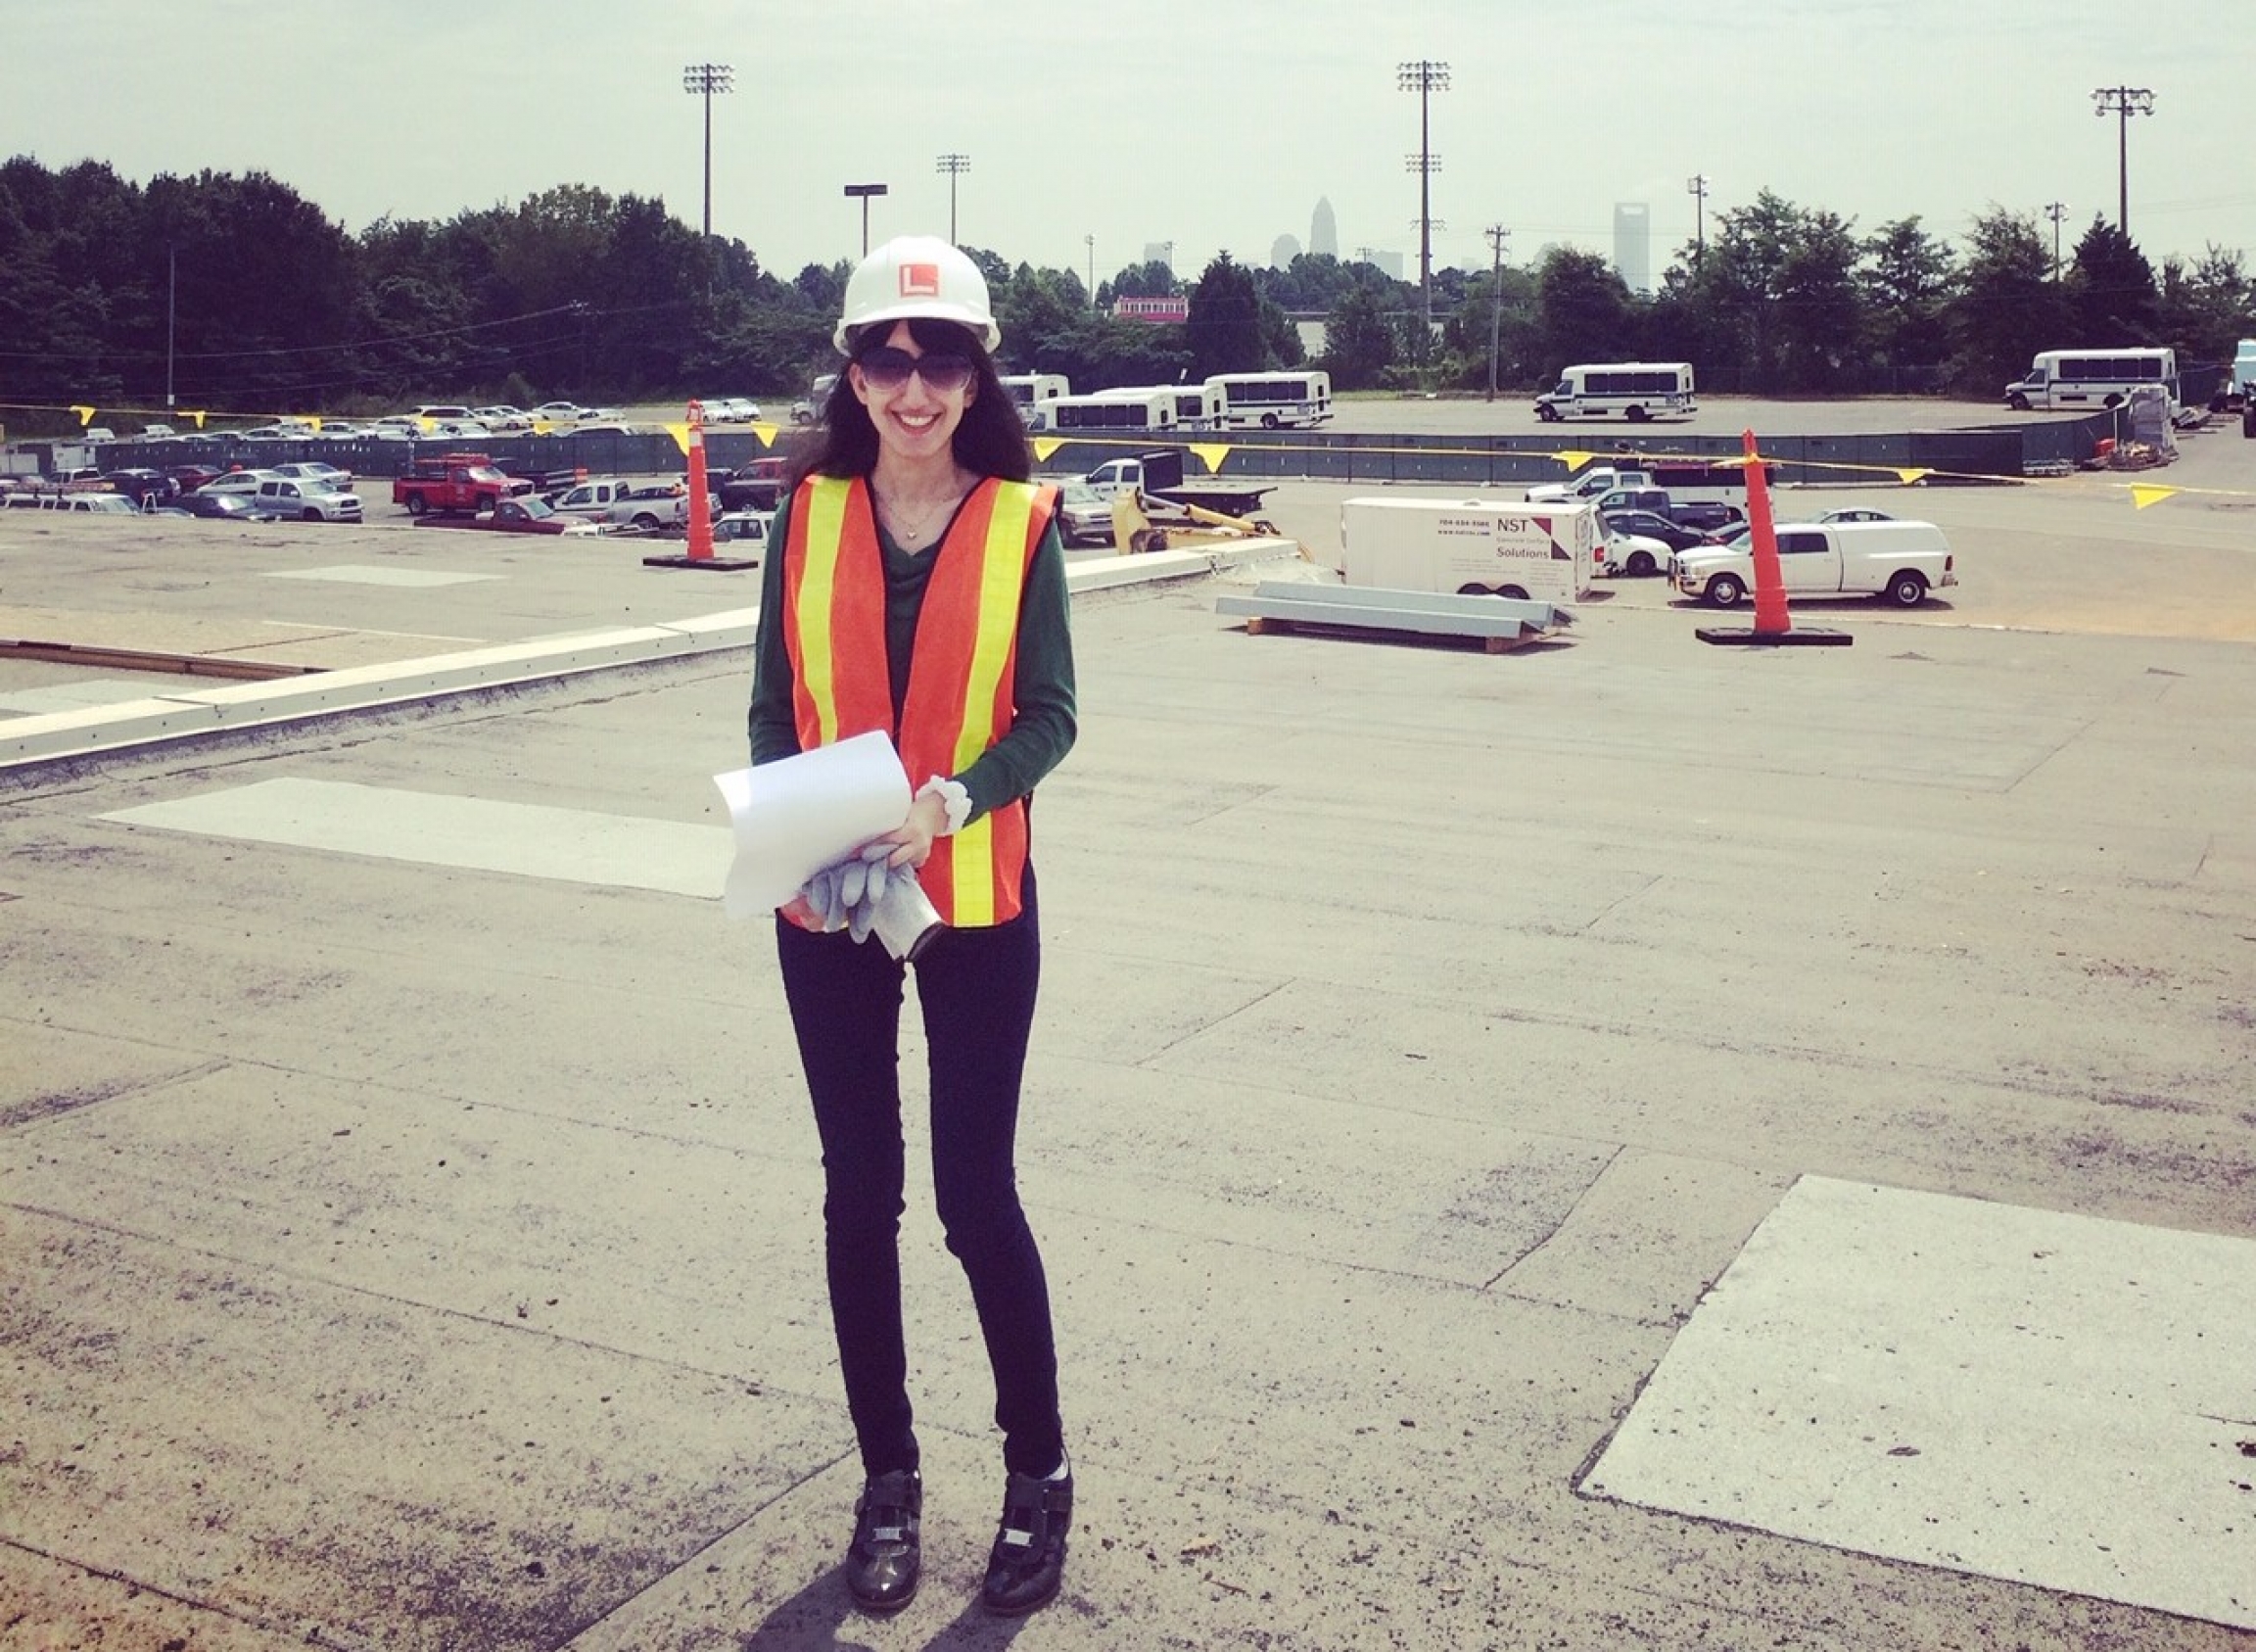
x=911, y=276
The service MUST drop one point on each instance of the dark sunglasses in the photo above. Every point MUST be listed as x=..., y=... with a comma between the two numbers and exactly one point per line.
x=888, y=368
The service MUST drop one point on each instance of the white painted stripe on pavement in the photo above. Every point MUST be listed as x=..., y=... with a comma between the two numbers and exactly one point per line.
x=525, y=839
x=2057, y=1400
x=354, y=572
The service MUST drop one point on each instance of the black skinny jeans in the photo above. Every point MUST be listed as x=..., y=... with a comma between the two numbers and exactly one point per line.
x=976, y=988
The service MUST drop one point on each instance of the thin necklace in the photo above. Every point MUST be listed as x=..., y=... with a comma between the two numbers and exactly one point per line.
x=910, y=534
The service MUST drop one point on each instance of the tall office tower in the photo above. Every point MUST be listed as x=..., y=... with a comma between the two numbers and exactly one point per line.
x=1323, y=232
x=1282, y=251
x=1633, y=245
x=1161, y=252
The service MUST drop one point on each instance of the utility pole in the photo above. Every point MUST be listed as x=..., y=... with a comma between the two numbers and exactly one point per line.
x=703, y=79
x=2123, y=102
x=1696, y=186
x=1424, y=77
x=1090, y=238
x=2056, y=210
x=1497, y=235
x=172, y=303
x=955, y=166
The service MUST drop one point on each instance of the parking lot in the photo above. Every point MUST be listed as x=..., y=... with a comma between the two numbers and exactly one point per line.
x=1620, y=1144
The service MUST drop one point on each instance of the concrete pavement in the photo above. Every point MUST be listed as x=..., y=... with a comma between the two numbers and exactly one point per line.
x=412, y=1239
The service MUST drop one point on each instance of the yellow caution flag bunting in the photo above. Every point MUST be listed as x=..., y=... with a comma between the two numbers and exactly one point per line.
x=427, y=423
x=681, y=435
x=1909, y=477
x=315, y=419
x=541, y=427
x=766, y=433
x=85, y=416
x=2142, y=497
x=1574, y=459
x=197, y=414
x=1044, y=447
x=1213, y=452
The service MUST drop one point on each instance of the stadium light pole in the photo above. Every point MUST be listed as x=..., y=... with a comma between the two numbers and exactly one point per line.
x=2123, y=102
x=1090, y=240
x=703, y=79
x=1424, y=77
x=2055, y=210
x=955, y=166
x=863, y=192
x=1696, y=186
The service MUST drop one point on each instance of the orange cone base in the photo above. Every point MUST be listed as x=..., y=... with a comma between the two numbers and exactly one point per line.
x=718, y=564
x=1802, y=636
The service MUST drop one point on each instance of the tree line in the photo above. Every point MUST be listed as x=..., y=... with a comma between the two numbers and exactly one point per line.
x=236, y=295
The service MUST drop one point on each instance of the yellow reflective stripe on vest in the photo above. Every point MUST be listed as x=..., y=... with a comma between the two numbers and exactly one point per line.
x=818, y=591
x=1002, y=577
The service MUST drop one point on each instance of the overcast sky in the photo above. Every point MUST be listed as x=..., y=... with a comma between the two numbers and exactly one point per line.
x=1214, y=124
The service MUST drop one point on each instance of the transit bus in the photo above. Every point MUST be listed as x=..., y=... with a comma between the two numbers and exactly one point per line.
x=1142, y=407
x=2091, y=378
x=1271, y=400
x=1033, y=393
x=1637, y=390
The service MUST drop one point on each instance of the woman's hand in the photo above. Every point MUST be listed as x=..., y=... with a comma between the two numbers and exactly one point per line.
x=912, y=840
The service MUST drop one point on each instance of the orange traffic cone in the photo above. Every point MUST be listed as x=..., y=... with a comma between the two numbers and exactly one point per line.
x=1772, y=624
x=700, y=512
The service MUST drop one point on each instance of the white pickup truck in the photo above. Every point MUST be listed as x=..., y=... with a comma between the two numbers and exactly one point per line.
x=1597, y=480
x=624, y=502
x=1899, y=562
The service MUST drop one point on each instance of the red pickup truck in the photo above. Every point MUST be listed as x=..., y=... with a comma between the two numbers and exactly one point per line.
x=456, y=482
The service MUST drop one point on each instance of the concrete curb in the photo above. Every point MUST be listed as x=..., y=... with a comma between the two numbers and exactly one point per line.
x=55, y=736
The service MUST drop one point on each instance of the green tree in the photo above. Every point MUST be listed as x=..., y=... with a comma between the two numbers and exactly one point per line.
x=1583, y=311
x=2006, y=307
x=1359, y=342
x=1906, y=280
x=2205, y=309
x=1224, y=326
x=2111, y=295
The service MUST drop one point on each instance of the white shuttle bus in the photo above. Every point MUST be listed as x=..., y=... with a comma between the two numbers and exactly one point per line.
x=1147, y=408
x=1033, y=393
x=1272, y=400
x=1637, y=390
x=2084, y=379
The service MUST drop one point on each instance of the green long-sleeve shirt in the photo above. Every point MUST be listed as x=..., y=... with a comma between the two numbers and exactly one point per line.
x=1043, y=723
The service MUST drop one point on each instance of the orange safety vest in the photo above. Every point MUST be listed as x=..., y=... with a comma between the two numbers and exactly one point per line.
x=961, y=699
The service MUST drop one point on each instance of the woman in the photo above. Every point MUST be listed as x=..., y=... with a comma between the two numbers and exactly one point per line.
x=922, y=590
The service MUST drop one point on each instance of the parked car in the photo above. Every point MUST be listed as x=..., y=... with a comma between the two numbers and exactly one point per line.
x=1084, y=516
x=230, y=507
x=753, y=487
x=528, y=514
x=187, y=478
x=315, y=470
x=1855, y=513
x=244, y=482
x=98, y=504
x=143, y=487
x=1620, y=551
x=304, y=501
x=729, y=409
x=1652, y=525
x=744, y=531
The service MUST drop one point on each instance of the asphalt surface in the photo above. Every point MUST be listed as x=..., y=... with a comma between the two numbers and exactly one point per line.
x=410, y=1219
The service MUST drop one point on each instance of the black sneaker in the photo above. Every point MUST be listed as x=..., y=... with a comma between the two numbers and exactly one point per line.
x=886, y=1558
x=1028, y=1560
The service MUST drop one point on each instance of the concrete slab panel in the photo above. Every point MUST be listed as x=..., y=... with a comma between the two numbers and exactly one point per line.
x=73, y=696
x=526, y=839
x=2053, y=1398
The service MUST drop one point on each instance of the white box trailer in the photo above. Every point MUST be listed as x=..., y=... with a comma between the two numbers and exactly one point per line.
x=1502, y=548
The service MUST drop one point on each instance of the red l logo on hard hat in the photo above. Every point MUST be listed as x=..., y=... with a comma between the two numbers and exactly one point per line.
x=920, y=280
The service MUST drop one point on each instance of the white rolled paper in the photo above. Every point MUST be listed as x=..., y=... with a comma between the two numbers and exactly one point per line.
x=797, y=815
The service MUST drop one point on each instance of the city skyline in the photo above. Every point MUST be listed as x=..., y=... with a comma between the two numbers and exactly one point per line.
x=1953, y=112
